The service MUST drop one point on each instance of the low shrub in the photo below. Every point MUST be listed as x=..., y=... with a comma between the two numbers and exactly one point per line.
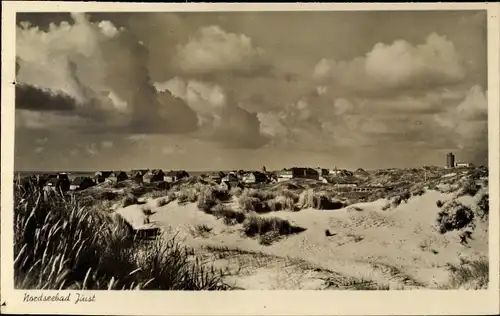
x=418, y=192
x=163, y=201
x=201, y=230
x=454, y=216
x=318, y=200
x=253, y=204
x=257, y=225
x=140, y=191
x=129, y=199
x=484, y=206
x=230, y=216
x=261, y=194
x=282, y=203
x=439, y=203
x=211, y=196
x=468, y=187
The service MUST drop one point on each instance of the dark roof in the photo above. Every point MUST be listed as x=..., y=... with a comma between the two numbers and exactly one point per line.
x=257, y=174
x=80, y=180
x=139, y=171
x=177, y=173
x=52, y=181
x=105, y=174
x=155, y=172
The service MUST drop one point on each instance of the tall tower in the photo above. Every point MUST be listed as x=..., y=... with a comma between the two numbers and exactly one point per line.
x=450, y=160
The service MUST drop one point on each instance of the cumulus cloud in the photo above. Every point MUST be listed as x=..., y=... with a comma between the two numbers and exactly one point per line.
x=397, y=65
x=214, y=50
x=220, y=117
x=468, y=125
x=104, y=70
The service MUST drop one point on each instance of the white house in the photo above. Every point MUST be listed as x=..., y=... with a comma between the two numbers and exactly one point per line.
x=345, y=185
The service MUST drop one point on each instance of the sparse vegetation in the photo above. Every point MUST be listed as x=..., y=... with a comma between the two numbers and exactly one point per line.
x=230, y=216
x=319, y=200
x=257, y=225
x=211, y=196
x=468, y=187
x=469, y=274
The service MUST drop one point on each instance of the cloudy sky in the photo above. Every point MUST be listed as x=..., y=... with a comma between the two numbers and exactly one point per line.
x=206, y=91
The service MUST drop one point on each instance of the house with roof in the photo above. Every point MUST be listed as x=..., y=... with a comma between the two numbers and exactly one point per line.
x=361, y=173
x=101, y=176
x=58, y=184
x=138, y=174
x=155, y=175
x=299, y=173
x=254, y=177
x=117, y=176
x=216, y=176
x=81, y=183
x=174, y=175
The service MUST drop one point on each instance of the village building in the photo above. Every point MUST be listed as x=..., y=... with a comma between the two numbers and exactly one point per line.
x=59, y=183
x=254, y=177
x=298, y=173
x=463, y=165
x=81, y=183
x=173, y=176
x=155, y=175
x=322, y=172
x=101, y=176
x=361, y=173
x=118, y=176
x=110, y=176
x=216, y=176
x=285, y=175
x=138, y=174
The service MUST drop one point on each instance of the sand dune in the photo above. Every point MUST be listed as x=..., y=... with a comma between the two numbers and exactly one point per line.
x=398, y=248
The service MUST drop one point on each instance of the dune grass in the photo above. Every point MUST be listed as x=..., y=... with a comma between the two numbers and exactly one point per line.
x=60, y=245
x=469, y=274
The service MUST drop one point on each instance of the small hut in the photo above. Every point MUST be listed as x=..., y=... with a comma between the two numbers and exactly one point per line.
x=155, y=175
x=81, y=183
x=173, y=176
x=138, y=174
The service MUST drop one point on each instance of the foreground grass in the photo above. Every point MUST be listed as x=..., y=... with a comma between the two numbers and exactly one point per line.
x=469, y=274
x=60, y=245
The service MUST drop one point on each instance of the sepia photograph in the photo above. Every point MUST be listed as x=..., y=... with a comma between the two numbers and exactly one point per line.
x=250, y=150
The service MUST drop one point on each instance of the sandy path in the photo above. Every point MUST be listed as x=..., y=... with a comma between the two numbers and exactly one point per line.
x=398, y=248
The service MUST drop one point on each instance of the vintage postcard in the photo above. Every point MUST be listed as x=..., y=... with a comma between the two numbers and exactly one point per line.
x=223, y=159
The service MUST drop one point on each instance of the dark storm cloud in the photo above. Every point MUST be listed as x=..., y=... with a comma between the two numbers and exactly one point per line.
x=36, y=99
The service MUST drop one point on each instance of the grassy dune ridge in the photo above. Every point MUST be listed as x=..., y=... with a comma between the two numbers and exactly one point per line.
x=59, y=244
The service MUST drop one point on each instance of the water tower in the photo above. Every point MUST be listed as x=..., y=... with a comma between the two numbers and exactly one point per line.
x=450, y=160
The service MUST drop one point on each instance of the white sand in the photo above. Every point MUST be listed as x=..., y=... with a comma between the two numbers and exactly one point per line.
x=399, y=248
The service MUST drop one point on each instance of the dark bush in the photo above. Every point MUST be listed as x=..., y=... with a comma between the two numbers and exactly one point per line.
x=129, y=199
x=484, y=206
x=454, y=216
